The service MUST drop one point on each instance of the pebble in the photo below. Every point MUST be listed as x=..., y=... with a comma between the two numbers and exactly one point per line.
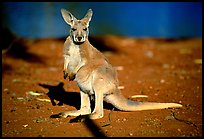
x=6, y=89
x=165, y=66
x=119, y=68
x=121, y=87
x=25, y=125
x=13, y=94
x=139, y=82
x=162, y=81
x=130, y=134
x=20, y=98
x=149, y=54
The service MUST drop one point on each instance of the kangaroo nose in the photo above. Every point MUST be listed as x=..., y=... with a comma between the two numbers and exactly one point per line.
x=79, y=38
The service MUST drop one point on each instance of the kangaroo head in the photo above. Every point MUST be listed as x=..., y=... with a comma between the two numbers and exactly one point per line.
x=79, y=28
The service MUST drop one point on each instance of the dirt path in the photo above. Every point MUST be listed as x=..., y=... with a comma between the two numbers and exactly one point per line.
x=164, y=70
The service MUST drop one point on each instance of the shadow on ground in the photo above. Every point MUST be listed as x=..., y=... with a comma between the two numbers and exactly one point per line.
x=69, y=98
x=16, y=47
x=72, y=98
x=57, y=93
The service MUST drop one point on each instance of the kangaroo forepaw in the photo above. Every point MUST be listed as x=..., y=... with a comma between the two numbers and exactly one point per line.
x=72, y=76
x=65, y=74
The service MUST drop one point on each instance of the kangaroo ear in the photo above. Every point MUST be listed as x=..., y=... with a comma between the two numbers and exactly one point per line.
x=87, y=17
x=68, y=17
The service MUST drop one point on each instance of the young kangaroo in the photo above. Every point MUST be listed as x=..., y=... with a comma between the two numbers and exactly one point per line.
x=93, y=73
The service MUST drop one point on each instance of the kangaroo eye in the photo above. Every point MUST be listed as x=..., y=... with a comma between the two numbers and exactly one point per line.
x=85, y=29
x=74, y=29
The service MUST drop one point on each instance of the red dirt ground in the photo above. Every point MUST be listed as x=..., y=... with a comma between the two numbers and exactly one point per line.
x=166, y=70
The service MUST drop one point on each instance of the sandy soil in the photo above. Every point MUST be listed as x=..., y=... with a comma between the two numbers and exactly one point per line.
x=166, y=70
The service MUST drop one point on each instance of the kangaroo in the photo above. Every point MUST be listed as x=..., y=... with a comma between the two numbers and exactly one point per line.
x=94, y=74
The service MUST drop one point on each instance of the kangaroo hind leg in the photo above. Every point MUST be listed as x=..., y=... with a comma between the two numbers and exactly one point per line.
x=98, y=89
x=98, y=110
x=84, y=109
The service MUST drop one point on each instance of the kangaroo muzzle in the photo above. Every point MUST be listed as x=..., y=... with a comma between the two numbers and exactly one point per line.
x=79, y=38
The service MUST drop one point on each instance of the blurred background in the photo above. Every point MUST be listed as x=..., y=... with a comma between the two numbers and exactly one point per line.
x=132, y=19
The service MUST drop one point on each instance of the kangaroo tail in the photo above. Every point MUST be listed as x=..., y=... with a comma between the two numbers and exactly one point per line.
x=124, y=104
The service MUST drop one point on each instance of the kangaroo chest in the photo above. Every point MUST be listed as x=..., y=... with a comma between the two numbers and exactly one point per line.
x=74, y=56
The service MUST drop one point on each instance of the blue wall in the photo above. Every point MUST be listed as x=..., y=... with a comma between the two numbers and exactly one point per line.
x=134, y=19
